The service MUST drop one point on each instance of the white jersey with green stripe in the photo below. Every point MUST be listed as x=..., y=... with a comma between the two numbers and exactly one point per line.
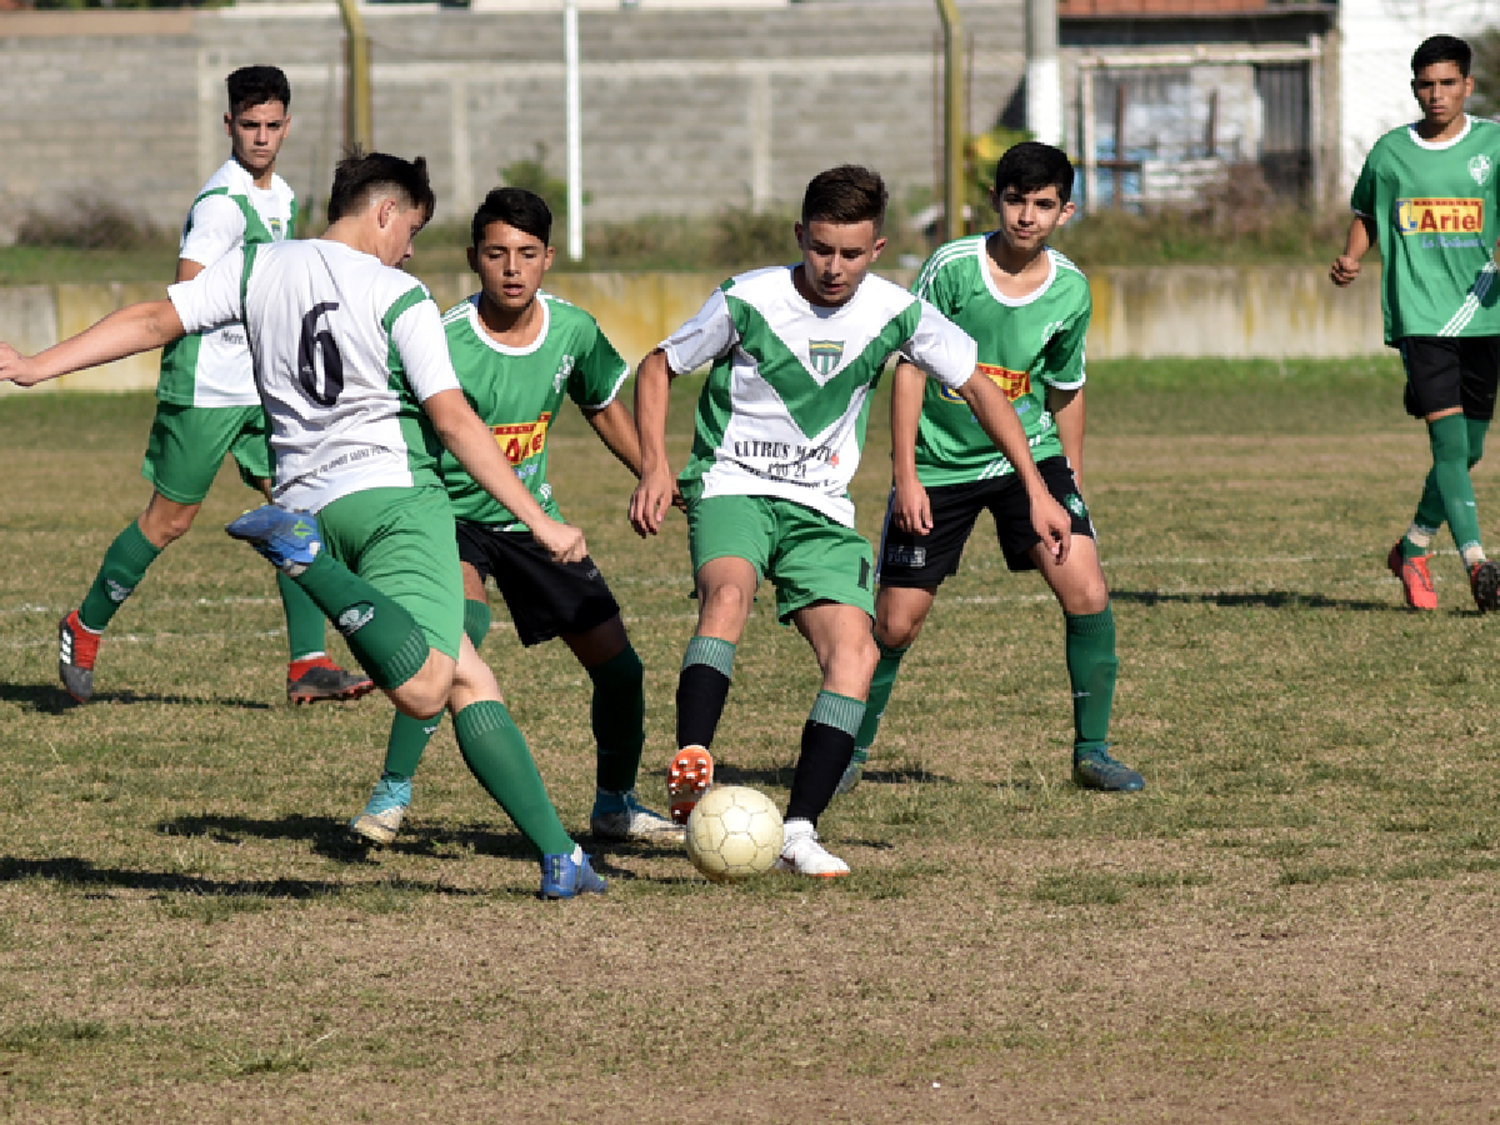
x=783, y=411
x=1434, y=209
x=517, y=392
x=213, y=368
x=345, y=350
x=1026, y=344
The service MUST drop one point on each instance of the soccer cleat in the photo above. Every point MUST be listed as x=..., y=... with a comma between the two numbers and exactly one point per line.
x=288, y=539
x=1416, y=579
x=854, y=770
x=688, y=778
x=1095, y=769
x=382, y=817
x=801, y=854
x=77, y=649
x=564, y=876
x=619, y=816
x=1484, y=580
x=318, y=679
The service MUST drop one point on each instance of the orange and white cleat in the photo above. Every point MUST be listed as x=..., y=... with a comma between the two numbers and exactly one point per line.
x=688, y=778
x=1416, y=579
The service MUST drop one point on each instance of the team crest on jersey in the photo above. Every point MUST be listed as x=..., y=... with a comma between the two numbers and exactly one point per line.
x=564, y=369
x=825, y=355
x=276, y=223
x=1480, y=168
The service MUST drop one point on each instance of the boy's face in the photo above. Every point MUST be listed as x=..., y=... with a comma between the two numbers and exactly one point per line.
x=1441, y=90
x=836, y=257
x=256, y=134
x=510, y=264
x=1028, y=218
x=398, y=226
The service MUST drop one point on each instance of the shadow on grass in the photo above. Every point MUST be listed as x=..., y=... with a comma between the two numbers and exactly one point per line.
x=1267, y=599
x=75, y=872
x=52, y=700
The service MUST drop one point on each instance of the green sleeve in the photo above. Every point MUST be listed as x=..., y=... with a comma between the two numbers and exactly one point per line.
x=597, y=375
x=1362, y=198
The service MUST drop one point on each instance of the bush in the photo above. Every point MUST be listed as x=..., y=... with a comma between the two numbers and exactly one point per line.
x=88, y=222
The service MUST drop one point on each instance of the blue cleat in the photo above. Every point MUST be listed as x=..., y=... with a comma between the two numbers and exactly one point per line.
x=564, y=876
x=382, y=817
x=1095, y=769
x=289, y=539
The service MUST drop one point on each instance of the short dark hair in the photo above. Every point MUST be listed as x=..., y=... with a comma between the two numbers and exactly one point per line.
x=1442, y=48
x=256, y=85
x=849, y=193
x=1032, y=166
x=360, y=177
x=516, y=207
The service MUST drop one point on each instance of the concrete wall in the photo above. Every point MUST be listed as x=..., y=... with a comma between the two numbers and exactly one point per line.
x=1182, y=311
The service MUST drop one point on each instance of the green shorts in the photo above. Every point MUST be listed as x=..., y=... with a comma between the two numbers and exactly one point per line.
x=402, y=542
x=807, y=556
x=188, y=443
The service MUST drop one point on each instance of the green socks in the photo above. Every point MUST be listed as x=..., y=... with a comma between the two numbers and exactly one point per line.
x=1450, y=475
x=618, y=713
x=1432, y=512
x=304, y=620
x=124, y=565
x=498, y=757
x=386, y=640
x=1092, y=665
x=409, y=737
x=880, y=694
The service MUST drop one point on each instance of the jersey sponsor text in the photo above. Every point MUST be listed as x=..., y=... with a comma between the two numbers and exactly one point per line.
x=1439, y=216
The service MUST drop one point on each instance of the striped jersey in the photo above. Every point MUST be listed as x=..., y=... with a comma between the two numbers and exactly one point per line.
x=1433, y=204
x=1026, y=344
x=213, y=368
x=784, y=408
x=517, y=391
x=346, y=349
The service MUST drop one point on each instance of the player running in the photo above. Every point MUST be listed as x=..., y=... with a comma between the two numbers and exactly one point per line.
x=517, y=351
x=1426, y=195
x=796, y=353
x=1028, y=308
x=354, y=374
x=208, y=406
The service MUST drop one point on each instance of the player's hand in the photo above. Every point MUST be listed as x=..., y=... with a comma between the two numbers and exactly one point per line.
x=677, y=499
x=17, y=368
x=1050, y=520
x=649, y=502
x=910, y=509
x=562, y=541
x=1345, y=270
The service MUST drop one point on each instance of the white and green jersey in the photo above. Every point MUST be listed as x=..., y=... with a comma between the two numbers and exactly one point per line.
x=783, y=411
x=517, y=391
x=1026, y=344
x=1434, y=206
x=213, y=368
x=345, y=350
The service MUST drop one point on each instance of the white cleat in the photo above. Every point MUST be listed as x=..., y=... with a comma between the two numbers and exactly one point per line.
x=801, y=854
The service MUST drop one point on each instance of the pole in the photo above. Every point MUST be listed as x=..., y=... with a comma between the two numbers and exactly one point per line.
x=359, y=116
x=575, y=131
x=1044, y=117
x=953, y=120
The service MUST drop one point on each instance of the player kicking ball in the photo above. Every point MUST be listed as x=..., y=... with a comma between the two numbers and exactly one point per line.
x=1028, y=308
x=354, y=373
x=1427, y=195
x=208, y=405
x=517, y=351
x=796, y=352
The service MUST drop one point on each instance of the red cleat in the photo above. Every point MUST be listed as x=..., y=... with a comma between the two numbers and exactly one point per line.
x=688, y=778
x=1416, y=579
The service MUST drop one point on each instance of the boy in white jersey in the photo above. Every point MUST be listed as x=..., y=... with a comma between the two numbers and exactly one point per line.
x=796, y=352
x=354, y=374
x=1427, y=195
x=208, y=405
x=1028, y=308
x=517, y=351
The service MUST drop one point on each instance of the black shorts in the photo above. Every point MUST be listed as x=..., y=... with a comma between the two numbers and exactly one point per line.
x=1443, y=372
x=545, y=598
x=925, y=560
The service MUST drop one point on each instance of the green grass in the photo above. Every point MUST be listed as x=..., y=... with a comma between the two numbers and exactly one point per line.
x=1290, y=921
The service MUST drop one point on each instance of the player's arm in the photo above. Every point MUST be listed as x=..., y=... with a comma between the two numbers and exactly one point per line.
x=1066, y=407
x=615, y=426
x=124, y=332
x=470, y=440
x=653, y=495
x=1356, y=244
x=911, y=509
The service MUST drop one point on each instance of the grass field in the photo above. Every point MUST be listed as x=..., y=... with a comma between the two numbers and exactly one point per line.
x=1295, y=922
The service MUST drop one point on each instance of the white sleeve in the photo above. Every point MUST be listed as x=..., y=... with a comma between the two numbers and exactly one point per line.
x=215, y=226
x=212, y=298
x=423, y=348
x=703, y=339
x=941, y=349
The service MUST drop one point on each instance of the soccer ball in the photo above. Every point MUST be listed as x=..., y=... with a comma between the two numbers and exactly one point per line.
x=734, y=833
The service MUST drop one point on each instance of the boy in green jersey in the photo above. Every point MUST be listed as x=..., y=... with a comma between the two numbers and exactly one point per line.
x=1427, y=195
x=208, y=403
x=517, y=351
x=1028, y=308
x=796, y=353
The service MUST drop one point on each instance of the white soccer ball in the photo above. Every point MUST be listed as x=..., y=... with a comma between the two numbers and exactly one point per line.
x=734, y=833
